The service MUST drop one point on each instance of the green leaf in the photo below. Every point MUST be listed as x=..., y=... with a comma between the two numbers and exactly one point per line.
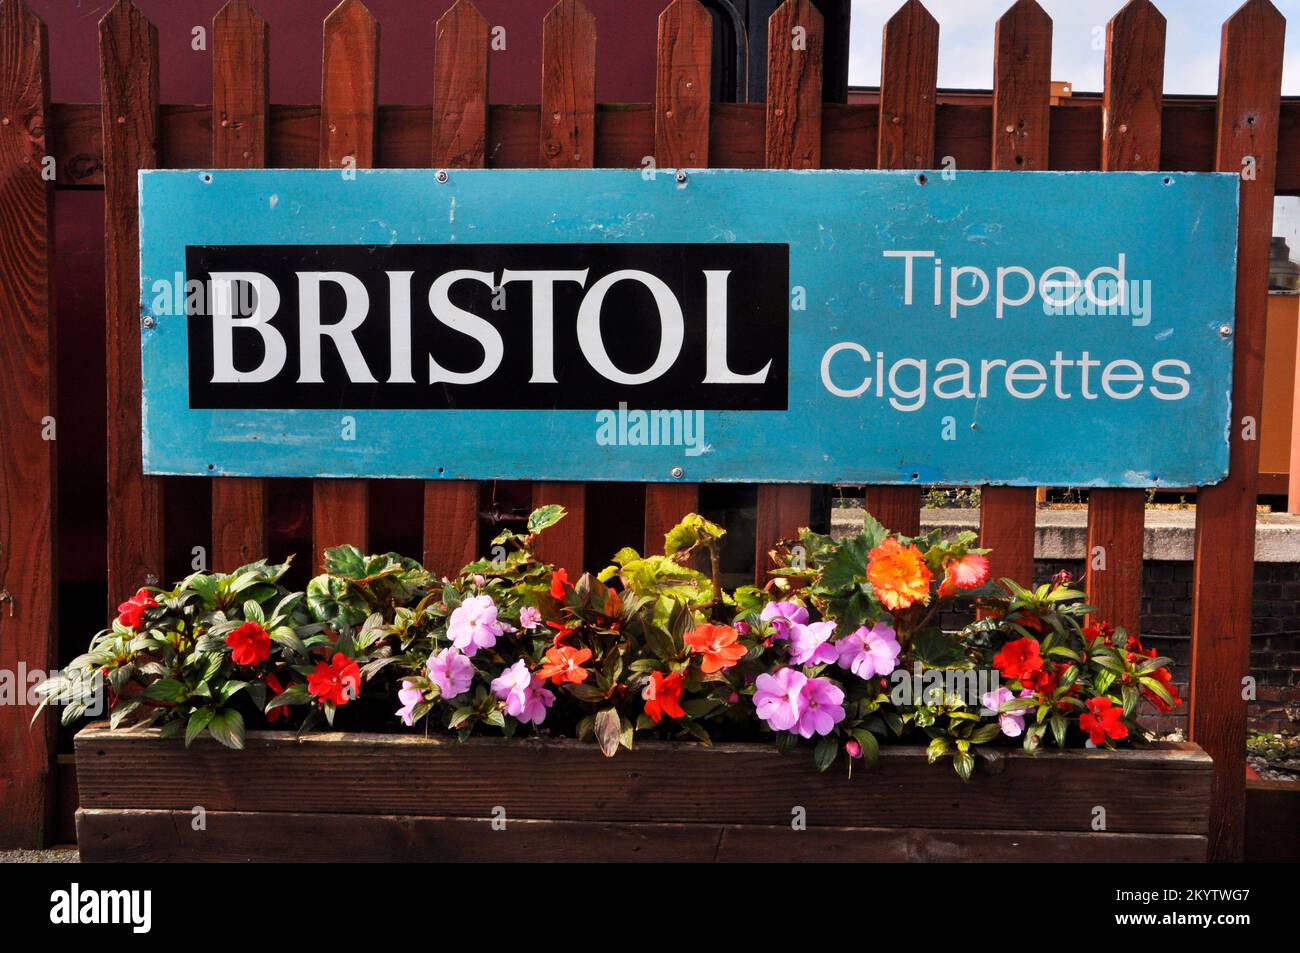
x=608, y=729
x=167, y=690
x=227, y=726
x=199, y=719
x=545, y=516
x=870, y=745
x=936, y=749
x=828, y=746
x=963, y=762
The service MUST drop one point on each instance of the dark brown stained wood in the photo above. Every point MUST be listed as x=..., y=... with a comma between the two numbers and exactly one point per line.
x=625, y=135
x=1272, y=822
x=1154, y=790
x=1134, y=93
x=567, y=141
x=568, y=115
x=794, y=86
x=1022, y=87
x=237, y=837
x=460, y=124
x=349, y=81
x=682, y=77
x=682, y=86
x=1250, y=83
x=909, y=66
x=460, y=88
x=793, y=141
x=1022, y=73
x=240, y=85
x=27, y=406
x=128, y=61
x=1135, y=72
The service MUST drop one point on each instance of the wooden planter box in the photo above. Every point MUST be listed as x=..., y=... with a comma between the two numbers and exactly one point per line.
x=365, y=797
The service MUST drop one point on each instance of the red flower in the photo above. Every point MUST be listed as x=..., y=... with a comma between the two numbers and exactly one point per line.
x=249, y=644
x=1163, y=676
x=1103, y=720
x=131, y=612
x=966, y=572
x=663, y=696
x=562, y=632
x=1018, y=659
x=1099, y=630
x=718, y=645
x=275, y=714
x=559, y=579
x=564, y=664
x=337, y=682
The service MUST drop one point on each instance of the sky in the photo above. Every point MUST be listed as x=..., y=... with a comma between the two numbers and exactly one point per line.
x=966, y=41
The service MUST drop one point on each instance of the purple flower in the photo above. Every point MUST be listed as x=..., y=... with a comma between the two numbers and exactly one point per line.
x=870, y=652
x=529, y=618
x=409, y=696
x=782, y=615
x=810, y=644
x=778, y=698
x=523, y=693
x=474, y=625
x=824, y=707
x=790, y=701
x=451, y=672
x=479, y=580
x=1012, y=723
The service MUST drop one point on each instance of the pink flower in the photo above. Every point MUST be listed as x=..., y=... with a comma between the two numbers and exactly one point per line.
x=782, y=615
x=474, y=625
x=790, y=701
x=525, y=694
x=529, y=618
x=870, y=652
x=451, y=672
x=1012, y=723
x=810, y=644
x=480, y=580
x=409, y=696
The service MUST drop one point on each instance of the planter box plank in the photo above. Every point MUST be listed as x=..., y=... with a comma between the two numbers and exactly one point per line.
x=1159, y=790
x=169, y=836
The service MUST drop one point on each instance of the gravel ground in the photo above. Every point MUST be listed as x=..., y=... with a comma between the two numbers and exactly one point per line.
x=57, y=855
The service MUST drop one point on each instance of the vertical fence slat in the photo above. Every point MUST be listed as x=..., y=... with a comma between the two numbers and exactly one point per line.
x=240, y=60
x=1250, y=86
x=128, y=62
x=682, y=95
x=349, y=85
x=567, y=141
x=460, y=99
x=27, y=396
x=1131, y=116
x=793, y=141
x=1022, y=88
x=909, y=70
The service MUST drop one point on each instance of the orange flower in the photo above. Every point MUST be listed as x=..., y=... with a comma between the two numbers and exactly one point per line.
x=966, y=572
x=718, y=645
x=663, y=696
x=564, y=664
x=899, y=574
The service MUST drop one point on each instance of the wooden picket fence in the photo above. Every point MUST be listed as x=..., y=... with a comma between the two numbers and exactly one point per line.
x=794, y=129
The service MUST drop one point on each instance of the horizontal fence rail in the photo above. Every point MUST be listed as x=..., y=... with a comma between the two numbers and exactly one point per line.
x=1131, y=127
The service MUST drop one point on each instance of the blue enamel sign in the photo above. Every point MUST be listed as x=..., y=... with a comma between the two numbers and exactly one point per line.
x=712, y=325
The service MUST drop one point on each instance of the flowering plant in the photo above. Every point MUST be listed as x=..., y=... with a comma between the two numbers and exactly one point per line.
x=842, y=649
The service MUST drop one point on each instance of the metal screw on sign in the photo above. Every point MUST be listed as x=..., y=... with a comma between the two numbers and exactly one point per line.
x=1225, y=331
x=677, y=473
x=149, y=321
x=681, y=177
x=442, y=175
